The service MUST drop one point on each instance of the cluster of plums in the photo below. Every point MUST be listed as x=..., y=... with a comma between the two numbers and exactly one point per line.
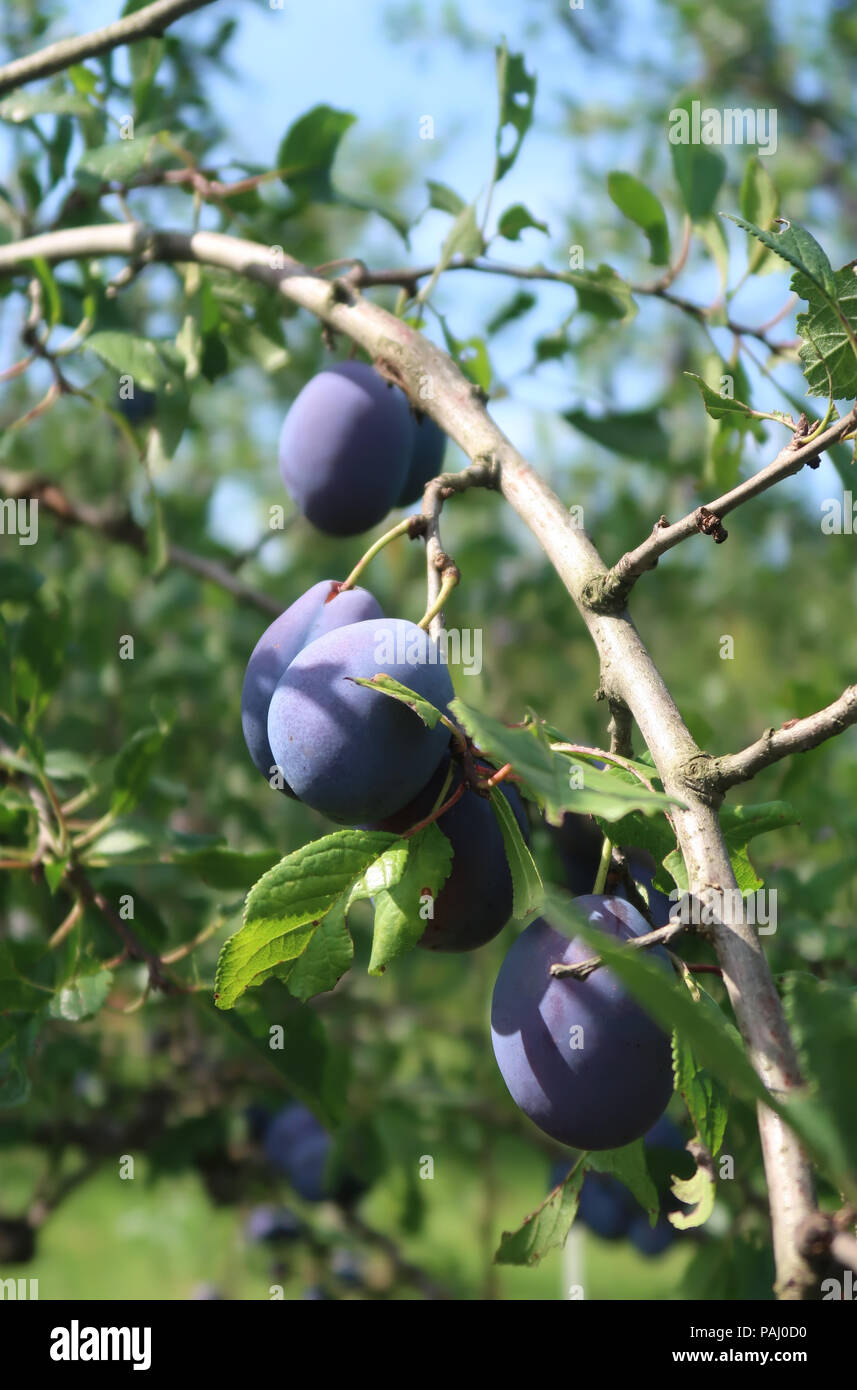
x=579, y=1057
x=361, y=758
x=608, y=1209
x=351, y=449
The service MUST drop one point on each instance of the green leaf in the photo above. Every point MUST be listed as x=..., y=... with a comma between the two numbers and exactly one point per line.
x=720, y=407
x=527, y=887
x=326, y=959
x=129, y=355
x=84, y=81
x=602, y=293
x=444, y=198
x=54, y=870
x=65, y=765
x=517, y=96
x=50, y=291
x=827, y=351
x=81, y=999
x=134, y=766
x=427, y=712
x=18, y=583
x=23, y=106
x=699, y=171
x=641, y=207
x=228, y=868
x=696, y=1192
x=314, y=1069
x=793, y=243
x=399, y=922
x=517, y=219
x=741, y=824
x=17, y=993
x=545, y=774
x=308, y=149
x=628, y=1164
x=637, y=434
x=544, y=1228
x=760, y=203
x=822, y=1017
x=706, y=1099
x=18, y=1036
x=463, y=239
x=287, y=904
x=121, y=161
x=520, y=303
x=121, y=842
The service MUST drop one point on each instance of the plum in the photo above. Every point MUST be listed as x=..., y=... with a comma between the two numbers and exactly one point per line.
x=475, y=902
x=578, y=840
x=606, y=1206
x=579, y=1057
x=17, y=1240
x=348, y=751
x=345, y=448
x=273, y=1225
x=321, y=609
x=651, y=1240
x=299, y=1145
x=426, y=459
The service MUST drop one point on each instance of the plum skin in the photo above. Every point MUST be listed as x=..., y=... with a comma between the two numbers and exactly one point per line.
x=475, y=903
x=319, y=610
x=299, y=1145
x=350, y=752
x=426, y=459
x=345, y=448
x=611, y=1090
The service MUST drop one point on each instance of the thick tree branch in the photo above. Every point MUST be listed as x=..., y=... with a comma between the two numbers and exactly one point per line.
x=121, y=526
x=154, y=19
x=629, y=675
x=797, y=736
x=611, y=591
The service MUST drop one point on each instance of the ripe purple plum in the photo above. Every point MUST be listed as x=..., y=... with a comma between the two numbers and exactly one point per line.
x=580, y=1057
x=475, y=902
x=426, y=459
x=351, y=752
x=345, y=448
x=321, y=609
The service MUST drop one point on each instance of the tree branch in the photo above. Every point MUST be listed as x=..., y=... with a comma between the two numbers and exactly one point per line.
x=629, y=675
x=612, y=589
x=121, y=526
x=154, y=19
x=408, y=278
x=796, y=736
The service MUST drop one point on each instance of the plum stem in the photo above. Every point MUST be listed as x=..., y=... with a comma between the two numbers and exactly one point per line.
x=451, y=577
x=403, y=528
x=603, y=866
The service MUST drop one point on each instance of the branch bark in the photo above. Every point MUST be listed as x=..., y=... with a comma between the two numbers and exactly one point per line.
x=121, y=526
x=798, y=736
x=629, y=676
x=154, y=19
x=613, y=589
